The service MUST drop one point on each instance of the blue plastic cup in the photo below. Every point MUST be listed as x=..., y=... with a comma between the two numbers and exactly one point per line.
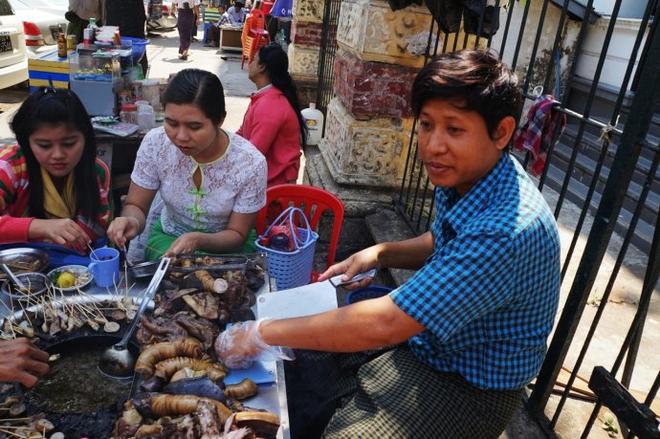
x=105, y=266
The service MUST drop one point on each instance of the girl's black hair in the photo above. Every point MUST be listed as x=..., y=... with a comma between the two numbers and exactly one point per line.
x=200, y=88
x=276, y=63
x=50, y=106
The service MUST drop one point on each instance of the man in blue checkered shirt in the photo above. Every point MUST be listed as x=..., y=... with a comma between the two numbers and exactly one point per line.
x=478, y=311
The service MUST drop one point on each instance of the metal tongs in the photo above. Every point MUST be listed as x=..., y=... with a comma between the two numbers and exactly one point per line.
x=117, y=361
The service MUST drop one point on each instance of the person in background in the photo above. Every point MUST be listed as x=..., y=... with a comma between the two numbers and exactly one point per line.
x=52, y=186
x=79, y=13
x=237, y=14
x=273, y=122
x=187, y=12
x=22, y=362
x=212, y=183
x=130, y=17
x=213, y=37
x=457, y=343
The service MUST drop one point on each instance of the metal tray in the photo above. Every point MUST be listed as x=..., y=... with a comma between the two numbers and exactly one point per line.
x=15, y=259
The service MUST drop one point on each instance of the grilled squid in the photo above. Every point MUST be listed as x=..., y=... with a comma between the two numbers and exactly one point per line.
x=166, y=368
x=187, y=347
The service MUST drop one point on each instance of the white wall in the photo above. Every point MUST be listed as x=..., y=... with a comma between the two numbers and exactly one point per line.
x=628, y=9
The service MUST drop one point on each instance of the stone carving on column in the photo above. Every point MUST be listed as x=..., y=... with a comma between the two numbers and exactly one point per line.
x=375, y=32
x=365, y=153
x=303, y=62
x=309, y=10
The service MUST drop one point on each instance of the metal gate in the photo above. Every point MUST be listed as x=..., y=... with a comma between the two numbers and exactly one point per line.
x=327, y=54
x=622, y=168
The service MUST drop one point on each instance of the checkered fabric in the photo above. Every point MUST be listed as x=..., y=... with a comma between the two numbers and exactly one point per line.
x=399, y=397
x=488, y=294
x=537, y=134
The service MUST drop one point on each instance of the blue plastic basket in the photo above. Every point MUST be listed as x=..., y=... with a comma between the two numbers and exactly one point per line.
x=370, y=292
x=291, y=269
x=138, y=45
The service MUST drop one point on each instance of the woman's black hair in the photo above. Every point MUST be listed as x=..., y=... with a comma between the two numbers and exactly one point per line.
x=198, y=87
x=50, y=106
x=276, y=64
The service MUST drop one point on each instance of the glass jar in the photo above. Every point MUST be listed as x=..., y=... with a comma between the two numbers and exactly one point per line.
x=129, y=113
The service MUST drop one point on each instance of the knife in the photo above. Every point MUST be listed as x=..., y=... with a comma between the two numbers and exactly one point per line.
x=337, y=282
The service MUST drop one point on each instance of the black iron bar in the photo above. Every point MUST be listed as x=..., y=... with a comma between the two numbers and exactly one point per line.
x=650, y=279
x=549, y=154
x=405, y=168
x=587, y=109
x=608, y=289
x=535, y=47
x=520, y=35
x=505, y=35
x=605, y=219
x=480, y=25
x=649, y=398
x=555, y=47
x=431, y=209
x=423, y=201
x=455, y=41
x=444, y=43
x=606, y=142
x=490, y=37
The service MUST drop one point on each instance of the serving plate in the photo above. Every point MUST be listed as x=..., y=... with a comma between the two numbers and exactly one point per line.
x=24, y=260
x=82, y=274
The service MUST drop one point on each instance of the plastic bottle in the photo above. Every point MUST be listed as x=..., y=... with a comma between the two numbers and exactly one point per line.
x=128, y=113
x=314, y=121
x=61, y=44
x=146, y=117
x=89, y=33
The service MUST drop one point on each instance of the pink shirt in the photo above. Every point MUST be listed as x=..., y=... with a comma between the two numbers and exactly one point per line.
x=272, y=126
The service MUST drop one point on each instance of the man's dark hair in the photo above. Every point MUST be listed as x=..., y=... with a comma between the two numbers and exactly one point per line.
x=477, y=78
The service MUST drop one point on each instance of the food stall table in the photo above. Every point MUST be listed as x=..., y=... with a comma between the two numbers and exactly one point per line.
x=230, y=38
x=269, y=375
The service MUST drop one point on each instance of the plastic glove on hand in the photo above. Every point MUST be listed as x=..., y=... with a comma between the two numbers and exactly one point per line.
x=239, y=345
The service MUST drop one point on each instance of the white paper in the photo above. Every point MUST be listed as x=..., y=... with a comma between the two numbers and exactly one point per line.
x=297, y=302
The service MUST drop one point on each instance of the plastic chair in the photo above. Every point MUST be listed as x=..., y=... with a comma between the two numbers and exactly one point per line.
x=313, y=201
x=254, y=35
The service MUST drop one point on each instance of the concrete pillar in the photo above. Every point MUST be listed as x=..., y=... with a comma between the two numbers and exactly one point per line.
x=305, y=47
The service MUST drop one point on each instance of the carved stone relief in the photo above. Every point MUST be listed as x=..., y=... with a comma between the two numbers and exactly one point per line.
x=367, y=153
x=308, y=10
x=376, y=33
x=303, y=63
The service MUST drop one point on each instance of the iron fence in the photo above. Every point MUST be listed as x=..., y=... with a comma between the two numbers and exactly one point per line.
x=606, y=166
x=327, y=54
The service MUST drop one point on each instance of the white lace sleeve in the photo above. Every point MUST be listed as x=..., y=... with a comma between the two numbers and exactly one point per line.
x=145, y=171
x=252, y=196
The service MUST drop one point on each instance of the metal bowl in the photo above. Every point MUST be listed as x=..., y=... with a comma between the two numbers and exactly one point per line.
x=24, y=260
x=38, y=283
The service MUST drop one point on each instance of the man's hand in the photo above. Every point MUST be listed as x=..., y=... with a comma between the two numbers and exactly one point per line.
x=184, y=244
x=21, y=361
x=60, y=231
x=240, y=344
x=359, y=262
x=122, y=229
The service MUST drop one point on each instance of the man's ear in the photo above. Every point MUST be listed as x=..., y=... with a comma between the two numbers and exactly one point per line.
x=504, y=132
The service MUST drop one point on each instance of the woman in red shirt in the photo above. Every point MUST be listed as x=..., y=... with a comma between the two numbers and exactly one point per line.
x=273, y=122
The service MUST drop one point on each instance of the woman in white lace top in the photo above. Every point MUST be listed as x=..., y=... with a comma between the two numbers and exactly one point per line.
x=211, y=183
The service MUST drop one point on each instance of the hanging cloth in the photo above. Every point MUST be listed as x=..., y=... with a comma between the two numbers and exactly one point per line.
x=536, y=135
x=58, y=205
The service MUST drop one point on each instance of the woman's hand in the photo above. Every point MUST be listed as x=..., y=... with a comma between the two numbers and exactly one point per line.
x=359, y=262
x=184, y=244
x=123, y=229
x=240, y=344
x=21, y=361
x=60, y=231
